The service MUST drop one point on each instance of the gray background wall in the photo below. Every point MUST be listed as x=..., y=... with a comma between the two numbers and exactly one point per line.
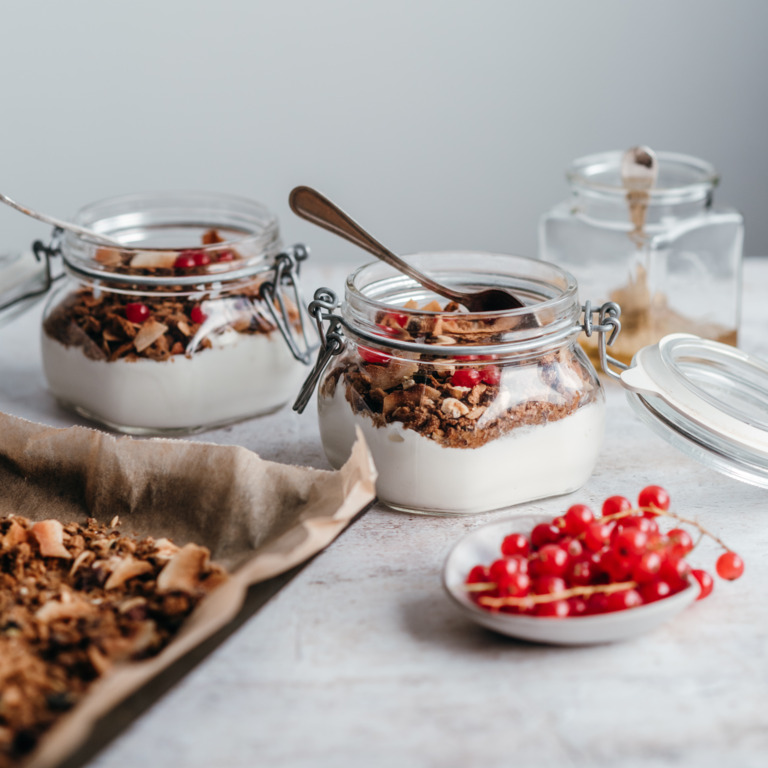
x=438, y=124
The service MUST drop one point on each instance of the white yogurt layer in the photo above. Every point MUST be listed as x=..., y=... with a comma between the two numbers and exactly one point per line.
x=242, y=375
x=418, y=474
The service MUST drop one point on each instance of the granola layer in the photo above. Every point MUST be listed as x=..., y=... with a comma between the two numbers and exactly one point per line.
x=419, y=395
x=75, y=600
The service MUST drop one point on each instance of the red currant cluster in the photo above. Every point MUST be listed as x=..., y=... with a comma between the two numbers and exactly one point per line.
x=580, y=564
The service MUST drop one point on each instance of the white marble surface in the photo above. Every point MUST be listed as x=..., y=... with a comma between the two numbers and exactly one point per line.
x=362, y=661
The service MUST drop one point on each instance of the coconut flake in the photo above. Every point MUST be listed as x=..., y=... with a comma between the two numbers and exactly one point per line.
x=148, y=334
x=50, y=537
x=150, y=259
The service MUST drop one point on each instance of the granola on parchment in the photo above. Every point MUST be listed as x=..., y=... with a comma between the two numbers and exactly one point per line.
x=75, y=600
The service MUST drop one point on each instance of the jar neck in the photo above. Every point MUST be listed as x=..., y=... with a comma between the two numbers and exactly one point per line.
x=389, y=309
x=619, y=205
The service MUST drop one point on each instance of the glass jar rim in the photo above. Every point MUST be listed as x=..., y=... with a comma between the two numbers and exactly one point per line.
x=551, y=320
x=681, y=177
x=132, y=217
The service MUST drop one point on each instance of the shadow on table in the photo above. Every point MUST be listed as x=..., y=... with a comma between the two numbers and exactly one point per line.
x=433, y=620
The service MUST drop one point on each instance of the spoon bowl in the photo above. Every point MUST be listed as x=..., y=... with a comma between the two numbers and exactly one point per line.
x=317, y=209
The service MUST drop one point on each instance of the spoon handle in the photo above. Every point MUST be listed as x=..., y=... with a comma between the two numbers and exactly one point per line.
x=54, y=222
x=318, y=209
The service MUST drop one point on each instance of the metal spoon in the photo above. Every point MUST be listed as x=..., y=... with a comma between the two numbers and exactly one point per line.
x=54, y=222
x=639, y=170
x=314, y=207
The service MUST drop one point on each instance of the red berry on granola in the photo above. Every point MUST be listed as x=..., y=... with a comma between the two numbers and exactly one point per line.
x=136, y=312
x=197, y=315
x=185, y=260
x=466, y=377
x=371, y=356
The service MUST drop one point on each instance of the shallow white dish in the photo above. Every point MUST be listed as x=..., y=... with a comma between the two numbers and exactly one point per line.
x=482, y=546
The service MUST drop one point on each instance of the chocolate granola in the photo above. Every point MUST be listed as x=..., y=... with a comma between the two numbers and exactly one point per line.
x=75, y=600
x=422, y=394
x=99, y=322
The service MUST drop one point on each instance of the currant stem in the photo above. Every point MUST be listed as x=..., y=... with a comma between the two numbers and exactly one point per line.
x=658, y=511
x=500, y=602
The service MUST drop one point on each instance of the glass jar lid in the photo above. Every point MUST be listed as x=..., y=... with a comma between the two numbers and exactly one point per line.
x=708, y=399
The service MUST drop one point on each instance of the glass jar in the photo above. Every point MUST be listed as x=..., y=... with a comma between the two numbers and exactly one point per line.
x=668, y=257
x=463, y=413
x=193, y=321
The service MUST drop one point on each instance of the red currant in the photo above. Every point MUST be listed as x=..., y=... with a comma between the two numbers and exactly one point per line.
x=548, y=585
x=655, y=590
x=653, y=496
x=645, y=524
x=136, y=313
x=629, y=541
x=372, y=356
x=552, y=560
x=225, y=255
x=573, y=547
x=680, y=542
x=393, y=319
x=615, y=504
x=501, y=568
x=706, y=583
x=556, y=609
x=184, y=260
x=515, y=544
x=647, y=567
x=577, y=606
x=597, y=535
x=465, y=377
x=515, y=585
x=729, y=566
x=624, y=599
x=491, y=375
x=582, y=573
x=478, y=575
x=577, y=518
x=617, y=566
x=675, y=571
x=597, y=603
x=197, y=315
x=544, y=533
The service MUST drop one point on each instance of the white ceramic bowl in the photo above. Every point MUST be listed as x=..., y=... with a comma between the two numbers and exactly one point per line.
x=482, y=546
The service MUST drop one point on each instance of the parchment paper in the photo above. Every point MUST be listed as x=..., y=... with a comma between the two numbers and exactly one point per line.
x=257, y=517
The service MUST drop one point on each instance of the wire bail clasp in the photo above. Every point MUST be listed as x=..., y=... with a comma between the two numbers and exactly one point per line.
x=332, y=341
x=608, y=323
x=41, y=283
x=285, y=276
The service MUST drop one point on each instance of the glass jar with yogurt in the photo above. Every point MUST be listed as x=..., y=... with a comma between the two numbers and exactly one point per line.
x=193, y=321
x=666, y=254
x=463, y=413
